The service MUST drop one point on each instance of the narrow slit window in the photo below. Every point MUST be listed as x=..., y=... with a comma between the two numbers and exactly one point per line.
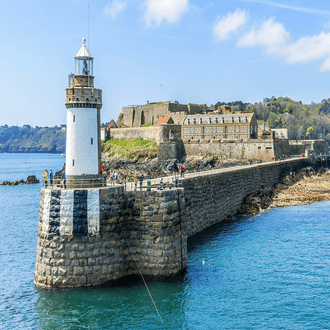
x=72, y=162
x=91, y=140
x=74, y=118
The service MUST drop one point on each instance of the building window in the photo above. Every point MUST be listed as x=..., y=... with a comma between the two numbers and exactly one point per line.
x=221, y=129
x=236, y=137
x=216, y=120
x=245, y=119
x=237, y=129
x=74, y=118
x=188, y=121
x=222, y=120
x=194, y=120
x=206, y=130
x=200, y=120
x=72, y=162
x=238, y=119
x=232, y=119
x=188, y=130
x=91, y=140
x=199, y=130
x=218, y=129
x=245, y=128
x=210, y=121
x=213, y=129
x=185, y=130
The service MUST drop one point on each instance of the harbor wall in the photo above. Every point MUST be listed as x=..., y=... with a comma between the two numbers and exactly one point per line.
x=90, y=237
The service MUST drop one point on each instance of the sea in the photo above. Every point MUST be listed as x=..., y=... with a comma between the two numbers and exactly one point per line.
x=270, y=271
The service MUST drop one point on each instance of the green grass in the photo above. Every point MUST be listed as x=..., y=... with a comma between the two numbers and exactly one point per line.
x=130, y=148
x=147, y=125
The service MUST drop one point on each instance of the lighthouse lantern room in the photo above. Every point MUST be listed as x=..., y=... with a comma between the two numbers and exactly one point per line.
x=83, y=143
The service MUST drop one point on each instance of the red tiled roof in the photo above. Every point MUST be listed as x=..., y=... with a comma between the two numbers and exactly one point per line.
x=163, y=120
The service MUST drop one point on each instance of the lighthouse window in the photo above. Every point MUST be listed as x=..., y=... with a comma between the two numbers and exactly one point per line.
x=72, y=162
x=74, y=118
x=91, y=140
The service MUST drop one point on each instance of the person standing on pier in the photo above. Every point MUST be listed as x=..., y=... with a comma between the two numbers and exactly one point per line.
x=181, y=171
x=63, y=177
x=51, y=176
x=141, y=181
x=135, y=183
x=116, y=178
x=46, y=178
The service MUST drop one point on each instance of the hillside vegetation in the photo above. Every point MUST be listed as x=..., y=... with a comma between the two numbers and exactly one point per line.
x=137, y=148
x=28, y=139
x=304, y=121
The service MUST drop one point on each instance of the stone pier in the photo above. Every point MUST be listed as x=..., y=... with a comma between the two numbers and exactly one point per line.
x=90, y=237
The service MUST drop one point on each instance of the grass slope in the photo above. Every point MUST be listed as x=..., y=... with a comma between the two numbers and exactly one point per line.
x=137, y=148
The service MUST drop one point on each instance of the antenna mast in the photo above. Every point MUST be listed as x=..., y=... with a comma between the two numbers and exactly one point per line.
x=88, y=28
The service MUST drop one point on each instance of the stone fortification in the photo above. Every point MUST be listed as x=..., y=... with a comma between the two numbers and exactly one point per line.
x=85, y=236
x=159, y=133
x=248, y=149
x=298, y=147
x=149, y=113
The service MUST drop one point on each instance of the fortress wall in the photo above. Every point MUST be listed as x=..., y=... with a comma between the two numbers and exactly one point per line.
x=244, y=150
x=298, y=147
x=147, y=133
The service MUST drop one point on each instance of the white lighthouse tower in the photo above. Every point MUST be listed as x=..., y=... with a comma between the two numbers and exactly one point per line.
x=83, y=142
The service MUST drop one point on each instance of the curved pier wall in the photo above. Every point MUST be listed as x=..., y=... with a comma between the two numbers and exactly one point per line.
x=211, y=198
x=88, y=237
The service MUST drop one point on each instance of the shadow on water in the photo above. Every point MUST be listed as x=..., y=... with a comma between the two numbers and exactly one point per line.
x=217, y=231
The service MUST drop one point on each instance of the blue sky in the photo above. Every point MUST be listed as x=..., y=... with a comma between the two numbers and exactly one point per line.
x=199, y=51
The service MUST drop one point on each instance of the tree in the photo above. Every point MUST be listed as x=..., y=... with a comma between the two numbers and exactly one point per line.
x=309, y=132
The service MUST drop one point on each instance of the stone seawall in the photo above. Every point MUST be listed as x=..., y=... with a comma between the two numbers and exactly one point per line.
x=212, y=198
x=89, y=237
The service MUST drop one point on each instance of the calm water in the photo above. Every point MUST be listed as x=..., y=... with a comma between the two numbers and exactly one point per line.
x=265, y=272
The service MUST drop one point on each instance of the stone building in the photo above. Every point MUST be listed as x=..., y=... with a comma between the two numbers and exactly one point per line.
x=136, y=116
x=220, y=126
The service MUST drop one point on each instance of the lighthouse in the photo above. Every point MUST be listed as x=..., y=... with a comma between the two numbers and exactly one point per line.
x=83, y=141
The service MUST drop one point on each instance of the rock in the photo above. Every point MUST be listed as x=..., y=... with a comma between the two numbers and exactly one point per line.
x=31, y=179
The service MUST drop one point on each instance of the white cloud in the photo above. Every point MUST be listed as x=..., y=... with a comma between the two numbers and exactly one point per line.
x=113, y=8
x=158, y=11
x=271, y=35
x=226, y=26
x=275, y=41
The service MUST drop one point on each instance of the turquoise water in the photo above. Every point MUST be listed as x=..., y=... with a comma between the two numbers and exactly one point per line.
x=265, y=272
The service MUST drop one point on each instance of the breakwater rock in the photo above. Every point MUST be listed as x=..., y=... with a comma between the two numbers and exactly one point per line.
x=31, y=179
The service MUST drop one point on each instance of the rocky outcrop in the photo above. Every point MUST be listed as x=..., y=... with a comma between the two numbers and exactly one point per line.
x=31, y=179
x=305, y=186
x=153, y=168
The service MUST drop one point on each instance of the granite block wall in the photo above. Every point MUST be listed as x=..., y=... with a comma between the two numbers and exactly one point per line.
x=89, y=237
x=211, y=198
